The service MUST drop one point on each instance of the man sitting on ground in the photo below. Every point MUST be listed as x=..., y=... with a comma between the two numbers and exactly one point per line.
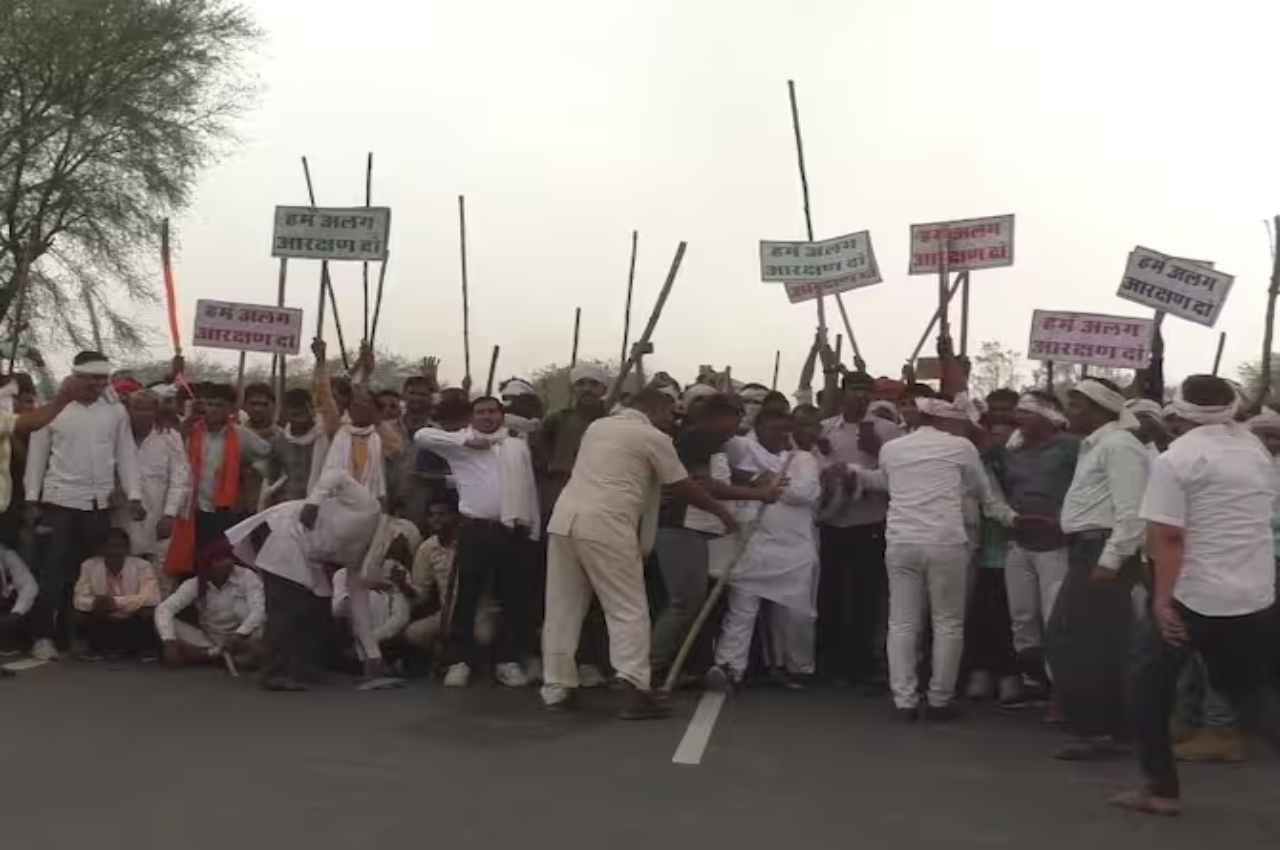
x=115, y=599
x=231, y=610
x=18, y=591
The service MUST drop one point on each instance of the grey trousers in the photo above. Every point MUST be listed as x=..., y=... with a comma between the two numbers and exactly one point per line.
x=683, y=560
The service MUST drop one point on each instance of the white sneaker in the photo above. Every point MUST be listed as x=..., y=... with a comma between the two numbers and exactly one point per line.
x=510, y=674
x=458, y=675
x=589, y=676
x=44, y=650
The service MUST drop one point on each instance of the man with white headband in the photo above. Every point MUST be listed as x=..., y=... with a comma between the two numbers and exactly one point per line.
x=522, y=405
x=1151, y=432
x=1035, y=478
x=72, y=468
x=1088, y=635
x=927, y=474
x=1209, y=507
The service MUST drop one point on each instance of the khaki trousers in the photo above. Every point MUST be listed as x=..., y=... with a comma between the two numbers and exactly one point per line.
x=615, y=573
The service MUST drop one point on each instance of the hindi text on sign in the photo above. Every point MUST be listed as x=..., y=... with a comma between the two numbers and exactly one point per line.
x=970, y=244
x=248, y=327
x=1098, y=340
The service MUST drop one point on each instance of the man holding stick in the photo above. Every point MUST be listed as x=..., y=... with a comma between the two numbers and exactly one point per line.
x=594, y=548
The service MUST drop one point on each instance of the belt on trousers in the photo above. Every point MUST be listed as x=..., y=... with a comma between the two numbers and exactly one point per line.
x=481, y=523
x=1089, y=535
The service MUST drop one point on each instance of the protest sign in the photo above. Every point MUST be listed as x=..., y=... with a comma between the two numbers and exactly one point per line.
x=248, y=327
x=1098, y=340
x=331, y=233
x=974, y=243
x=845, y=262
x=1187, y=289
x=797, y=292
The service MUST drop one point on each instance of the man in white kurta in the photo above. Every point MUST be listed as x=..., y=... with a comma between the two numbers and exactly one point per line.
x=164, y=475
x=778, y=563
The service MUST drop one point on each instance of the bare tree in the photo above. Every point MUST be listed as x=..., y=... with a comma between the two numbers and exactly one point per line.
x=108, y=111
x=994, y=366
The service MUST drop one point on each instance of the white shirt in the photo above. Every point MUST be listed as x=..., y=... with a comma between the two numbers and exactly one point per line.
x=1106, y=492
x=238, y=607
x=16, y=580
x=478, y=472
x=73, y=462
x=388, y=609
x=1216, y=483
x=843, y=437
x=927, y=473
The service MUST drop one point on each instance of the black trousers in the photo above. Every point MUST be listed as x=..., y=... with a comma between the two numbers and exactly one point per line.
x=297, y=629
x=492, y=556
x=988, y=636
x=1088, y=642
x=73, y=536
x=853, y=593
x=210, y=525
x=130, y=636
x=15, y=630
x=1236, y=652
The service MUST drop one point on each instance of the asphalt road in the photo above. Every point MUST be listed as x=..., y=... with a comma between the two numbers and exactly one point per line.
x=145, y=758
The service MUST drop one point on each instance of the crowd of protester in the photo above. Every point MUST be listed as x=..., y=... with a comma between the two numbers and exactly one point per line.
x=1107, y=560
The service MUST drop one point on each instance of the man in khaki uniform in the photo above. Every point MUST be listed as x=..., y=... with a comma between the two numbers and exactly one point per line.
x=594, y=545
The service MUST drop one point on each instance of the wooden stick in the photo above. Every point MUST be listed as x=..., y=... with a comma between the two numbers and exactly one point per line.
x=337, y=322
x=577, y=322
x=744, y=540
x=1217, y=358
x=924, y=337
x=1048, y=371
x=944, y=300
x=493, y=367
x=466, y=307
x=364, y=267
x=324, y=264
x=839, y=346
x=777, y=361
x=22, y=276
x=240, y=380
x=170, y=288
x=858, y=362
x=964, y=314
x=377, y=303
x=626, y=318
x=643, y=343
x=281, y=372
x=804, y=190
x=1268, y=329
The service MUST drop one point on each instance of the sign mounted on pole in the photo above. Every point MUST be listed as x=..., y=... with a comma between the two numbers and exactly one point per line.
x=248, y=327
x=1115, y=341
x=1187, y=289
x=331, y=233
x=971, y=244
x=837, y=265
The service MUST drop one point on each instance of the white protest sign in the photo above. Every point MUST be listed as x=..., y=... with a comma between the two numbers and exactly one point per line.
x=1116, y=341
x=838, y=265
x=1184, y=288
x=973, y=243
x=331, y=233
x=247, y=327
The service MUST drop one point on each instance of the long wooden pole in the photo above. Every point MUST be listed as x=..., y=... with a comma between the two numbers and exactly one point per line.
x=643, y=343
x=777, y=362
x=964, y=314
x=839, y=346
x=493, y=368
x=364, y=267
x=1217, y=358
x=858, y=362
x=924, y=337
x=170, y=288
x=804, y=189
x=324, y=264
x=240, y=379
x=377, y=303
x=466, y=306
x=944, y=299
x=577, y=324
x=631, y=282
x=282, y=375
x=1268, y=329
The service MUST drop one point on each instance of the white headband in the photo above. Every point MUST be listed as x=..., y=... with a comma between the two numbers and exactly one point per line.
x=97, y=368
x=1031, y=404
x=959, y=410
x=1108, y=399
x=1204, y=414
x=587, y=372
x=697, y=391
x=1144, y=406
x=516, y=387
x=887, y=406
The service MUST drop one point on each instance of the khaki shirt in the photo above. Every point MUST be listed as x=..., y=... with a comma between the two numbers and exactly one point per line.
x=621, y=462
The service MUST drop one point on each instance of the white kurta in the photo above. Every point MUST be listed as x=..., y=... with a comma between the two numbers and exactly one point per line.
x=778, y=564
x=165, y=477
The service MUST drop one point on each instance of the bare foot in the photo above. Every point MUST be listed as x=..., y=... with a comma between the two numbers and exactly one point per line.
x=1142, y=800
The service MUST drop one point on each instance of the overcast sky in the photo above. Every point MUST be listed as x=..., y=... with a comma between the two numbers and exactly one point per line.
x=567, y=123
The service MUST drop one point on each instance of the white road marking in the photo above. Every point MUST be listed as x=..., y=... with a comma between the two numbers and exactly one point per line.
x=698, y=734
x=24, y=664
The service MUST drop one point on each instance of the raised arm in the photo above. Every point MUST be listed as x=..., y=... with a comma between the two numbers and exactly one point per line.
x=322, y=391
